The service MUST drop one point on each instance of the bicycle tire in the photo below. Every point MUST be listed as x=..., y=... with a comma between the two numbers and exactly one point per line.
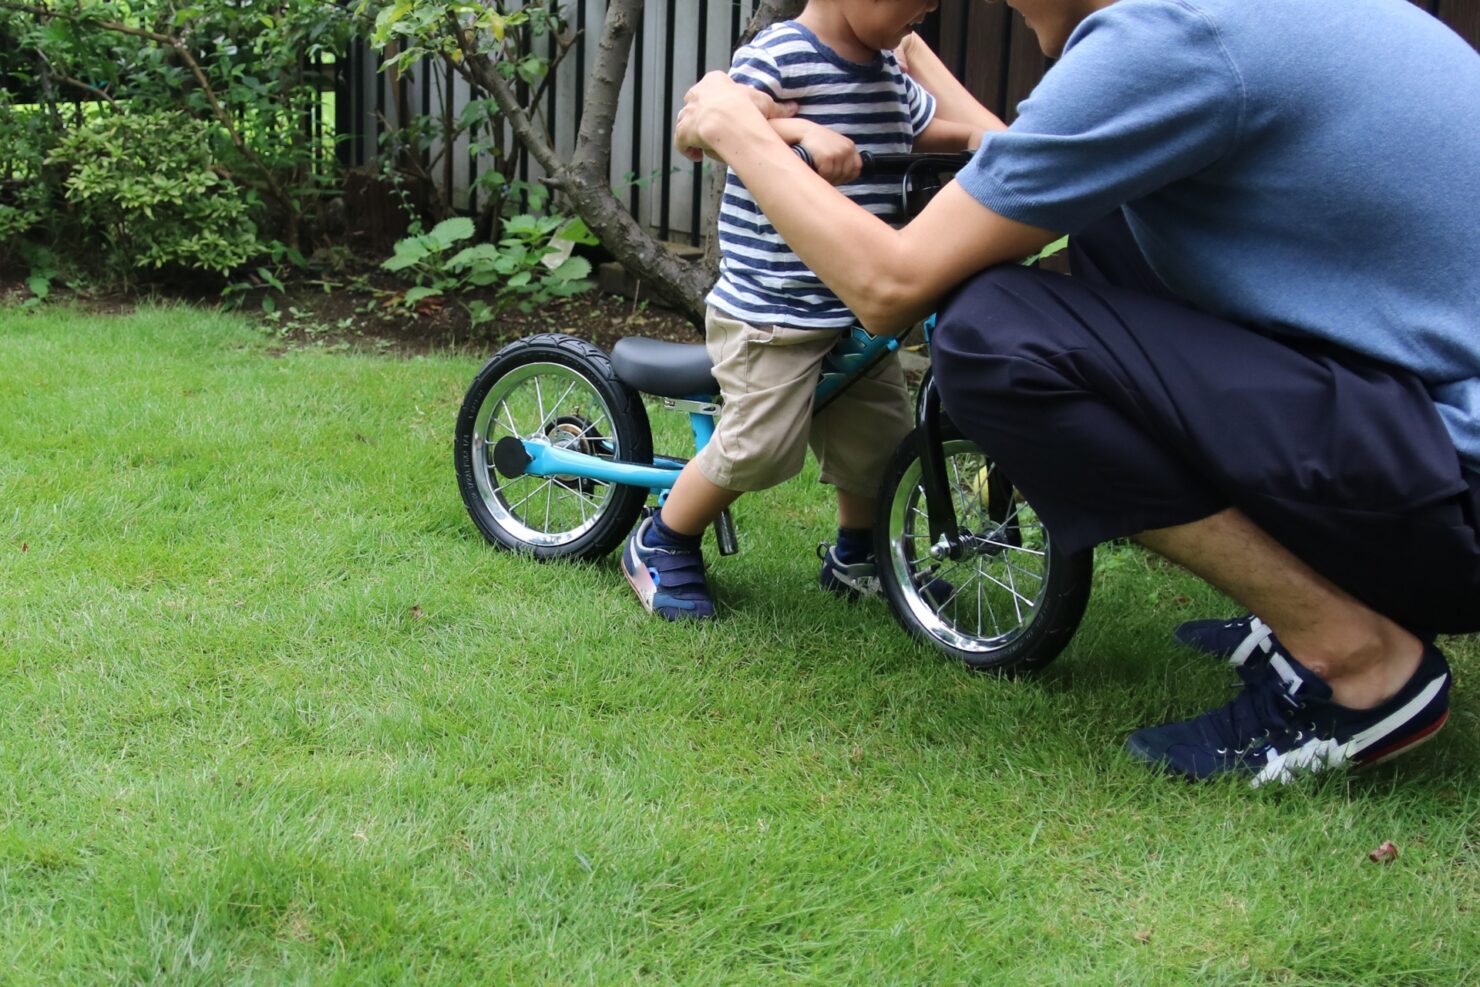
x=558, y=389
x=1013, y=601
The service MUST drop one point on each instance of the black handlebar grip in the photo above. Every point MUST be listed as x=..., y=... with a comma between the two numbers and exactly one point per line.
x=895, y=164
x=865, y=156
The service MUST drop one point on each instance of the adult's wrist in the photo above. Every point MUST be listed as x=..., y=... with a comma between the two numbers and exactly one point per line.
x=731, y=125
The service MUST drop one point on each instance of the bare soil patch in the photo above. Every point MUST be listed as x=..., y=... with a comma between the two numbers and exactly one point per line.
x=364, y=308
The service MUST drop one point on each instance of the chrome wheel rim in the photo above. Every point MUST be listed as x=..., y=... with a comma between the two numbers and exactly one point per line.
x=1001, y=578
x=555, y=405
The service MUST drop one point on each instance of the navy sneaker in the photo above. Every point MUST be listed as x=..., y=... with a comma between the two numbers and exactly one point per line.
x=851, y=582
x=670, y=582
x=861, y=579
x=1236, y=641
x=1284, y=724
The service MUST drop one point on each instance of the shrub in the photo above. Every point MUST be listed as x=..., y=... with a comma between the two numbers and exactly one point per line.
x=149, y=187
x=23, y=193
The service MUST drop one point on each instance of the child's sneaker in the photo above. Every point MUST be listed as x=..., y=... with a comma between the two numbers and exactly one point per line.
x=861, y=579
x=669, y=581
x=1284, y=724
x=852, y=582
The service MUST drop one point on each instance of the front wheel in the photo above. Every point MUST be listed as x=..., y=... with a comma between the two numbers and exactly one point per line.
x=1011, y=601
x=562, y=391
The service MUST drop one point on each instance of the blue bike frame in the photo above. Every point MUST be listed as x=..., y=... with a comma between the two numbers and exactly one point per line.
x=856, y=354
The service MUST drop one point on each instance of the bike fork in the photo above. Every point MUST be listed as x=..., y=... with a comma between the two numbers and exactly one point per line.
x=945, y=537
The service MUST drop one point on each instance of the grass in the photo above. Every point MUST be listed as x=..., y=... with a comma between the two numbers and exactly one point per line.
x=275, y=713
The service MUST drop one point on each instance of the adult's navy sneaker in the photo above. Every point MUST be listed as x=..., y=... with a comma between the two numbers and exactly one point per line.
x=1237, y=641
x=669, y=580
x=1242, y=639
x=1284, y=724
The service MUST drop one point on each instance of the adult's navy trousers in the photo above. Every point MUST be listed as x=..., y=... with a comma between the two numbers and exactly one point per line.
x=1117, y=408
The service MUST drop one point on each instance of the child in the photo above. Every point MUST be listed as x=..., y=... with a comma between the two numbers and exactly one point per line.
x=771, y=321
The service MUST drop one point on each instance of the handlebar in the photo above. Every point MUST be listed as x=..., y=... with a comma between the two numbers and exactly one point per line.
x=920, y=175
x=875, y=165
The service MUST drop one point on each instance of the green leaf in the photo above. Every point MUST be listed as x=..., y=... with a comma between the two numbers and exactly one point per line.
x=574, y=269
x=532, y=69
x=270, y=278
x=521, y=224
x=479, y=312
x=39, y=284
x=399, y=262
x=577, y=232
x=417, y=294
x=450, y=231
x=485, y=253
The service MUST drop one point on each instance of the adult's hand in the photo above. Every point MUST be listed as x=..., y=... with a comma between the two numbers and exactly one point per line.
x=717, y=104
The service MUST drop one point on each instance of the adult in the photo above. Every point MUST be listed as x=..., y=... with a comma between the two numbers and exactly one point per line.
x=1267, y=365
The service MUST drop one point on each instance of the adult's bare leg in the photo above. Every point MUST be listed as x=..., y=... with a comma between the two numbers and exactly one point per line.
x=1365, y=657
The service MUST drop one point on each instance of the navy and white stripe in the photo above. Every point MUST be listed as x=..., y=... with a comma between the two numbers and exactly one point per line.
x=876, y=106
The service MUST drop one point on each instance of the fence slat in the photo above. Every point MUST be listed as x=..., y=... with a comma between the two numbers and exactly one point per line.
x=1464, y=17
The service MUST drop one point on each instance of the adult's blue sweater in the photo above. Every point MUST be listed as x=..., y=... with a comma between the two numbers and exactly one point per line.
x=1309, y=167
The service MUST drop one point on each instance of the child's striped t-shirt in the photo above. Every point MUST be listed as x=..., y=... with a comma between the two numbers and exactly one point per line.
x=875, y=105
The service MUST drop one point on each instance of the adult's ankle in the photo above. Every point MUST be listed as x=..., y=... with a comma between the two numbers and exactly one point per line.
x=1372, y=672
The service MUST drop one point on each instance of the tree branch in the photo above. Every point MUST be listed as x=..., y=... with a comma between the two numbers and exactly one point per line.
x=594, y=141
x=585, y=181
x=483, y=72
x=85, y=87
x=768, y=13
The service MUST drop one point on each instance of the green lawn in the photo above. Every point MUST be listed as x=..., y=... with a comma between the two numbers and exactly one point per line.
x=275, y=713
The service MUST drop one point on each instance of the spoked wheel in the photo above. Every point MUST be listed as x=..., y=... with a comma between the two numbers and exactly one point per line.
x=1011, y=601
x=561, y=391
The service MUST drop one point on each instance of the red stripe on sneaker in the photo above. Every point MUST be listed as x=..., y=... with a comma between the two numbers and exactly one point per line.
x=1394, y=749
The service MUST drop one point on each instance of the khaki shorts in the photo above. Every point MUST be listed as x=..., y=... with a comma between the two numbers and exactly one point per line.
x=767, y=376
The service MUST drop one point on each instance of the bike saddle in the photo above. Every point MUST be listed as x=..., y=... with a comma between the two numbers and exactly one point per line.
x=669, y=370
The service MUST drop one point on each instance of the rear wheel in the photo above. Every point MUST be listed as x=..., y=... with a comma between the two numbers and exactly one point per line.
x=561, y=391
x=1011, y=601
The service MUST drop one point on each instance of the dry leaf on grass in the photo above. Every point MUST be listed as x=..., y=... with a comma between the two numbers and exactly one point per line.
x=1384, y=854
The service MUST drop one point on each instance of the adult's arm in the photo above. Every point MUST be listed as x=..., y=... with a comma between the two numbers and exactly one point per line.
x=889, y=278
x=953, y=101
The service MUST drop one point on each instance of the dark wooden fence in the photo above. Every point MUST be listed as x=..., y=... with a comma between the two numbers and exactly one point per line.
x=986, y=44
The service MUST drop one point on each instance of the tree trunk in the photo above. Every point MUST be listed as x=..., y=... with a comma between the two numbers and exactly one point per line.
x=585, y=180
x=768, y=13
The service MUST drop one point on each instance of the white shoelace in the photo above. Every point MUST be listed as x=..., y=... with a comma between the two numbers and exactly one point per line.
x=1259, y=635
